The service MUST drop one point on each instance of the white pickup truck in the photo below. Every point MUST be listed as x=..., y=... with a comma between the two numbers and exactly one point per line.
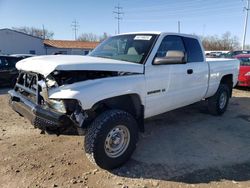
x=126, y=79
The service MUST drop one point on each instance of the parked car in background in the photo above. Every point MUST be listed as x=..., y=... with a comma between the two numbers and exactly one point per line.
x=244, y=74
x=8, y=71
x=215, y=54
x=224, y=55
x=236, y=52
x=22, y=55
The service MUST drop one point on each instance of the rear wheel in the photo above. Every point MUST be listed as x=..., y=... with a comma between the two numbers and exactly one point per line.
x=217, y=104
x=111, y=139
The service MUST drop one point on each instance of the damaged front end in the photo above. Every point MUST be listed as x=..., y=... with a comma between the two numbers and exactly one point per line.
x=30, y=99
x=58, y=78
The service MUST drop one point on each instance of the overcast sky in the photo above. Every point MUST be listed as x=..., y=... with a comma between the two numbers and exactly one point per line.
x=202, y=17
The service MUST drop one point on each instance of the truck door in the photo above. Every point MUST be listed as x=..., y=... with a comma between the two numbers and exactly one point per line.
x=170, y=86
x=196, y=71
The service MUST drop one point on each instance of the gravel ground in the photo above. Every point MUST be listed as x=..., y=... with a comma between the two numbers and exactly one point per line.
x=183, y=148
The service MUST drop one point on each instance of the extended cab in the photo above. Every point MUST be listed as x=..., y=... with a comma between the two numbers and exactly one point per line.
x=126, y=79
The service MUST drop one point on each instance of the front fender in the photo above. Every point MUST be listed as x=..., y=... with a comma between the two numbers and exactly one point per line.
x=92, y=91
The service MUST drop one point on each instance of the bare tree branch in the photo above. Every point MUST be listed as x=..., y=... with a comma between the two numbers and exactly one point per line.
x=91, y=37
x=225, y=42
x=44, y=34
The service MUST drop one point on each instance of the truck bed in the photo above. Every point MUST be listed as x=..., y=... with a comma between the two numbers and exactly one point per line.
x=218, y=68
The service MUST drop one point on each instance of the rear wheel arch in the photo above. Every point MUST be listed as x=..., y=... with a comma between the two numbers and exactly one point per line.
x=228, y=80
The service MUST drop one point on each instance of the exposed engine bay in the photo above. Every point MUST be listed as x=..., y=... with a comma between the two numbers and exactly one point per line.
x=58, y=78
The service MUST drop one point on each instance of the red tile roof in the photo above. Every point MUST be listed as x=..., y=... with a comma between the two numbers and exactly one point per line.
x=70, y=44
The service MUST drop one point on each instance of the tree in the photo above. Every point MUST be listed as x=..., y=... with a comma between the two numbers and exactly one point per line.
x=229, y=42
x=91, y=37
x=44, y=34
x=224, y=42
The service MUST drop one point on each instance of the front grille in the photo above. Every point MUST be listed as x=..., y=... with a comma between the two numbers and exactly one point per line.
x=27, y=85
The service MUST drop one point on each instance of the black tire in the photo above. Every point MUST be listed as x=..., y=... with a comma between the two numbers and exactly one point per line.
x=100, y=130
x=214, y=106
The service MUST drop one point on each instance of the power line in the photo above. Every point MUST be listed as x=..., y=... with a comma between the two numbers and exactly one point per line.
x=193, y=10
x=119, y=13
x=193, y=6
x=75, y=27
x=247, y=8
x=190, y=16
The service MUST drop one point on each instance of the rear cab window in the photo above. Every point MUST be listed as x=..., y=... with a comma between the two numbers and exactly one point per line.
x=193, y=50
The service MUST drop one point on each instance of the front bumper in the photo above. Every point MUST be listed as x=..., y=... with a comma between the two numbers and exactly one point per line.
x=43, y=118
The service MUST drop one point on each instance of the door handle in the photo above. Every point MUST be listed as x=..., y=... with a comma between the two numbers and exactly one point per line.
x=190, y=71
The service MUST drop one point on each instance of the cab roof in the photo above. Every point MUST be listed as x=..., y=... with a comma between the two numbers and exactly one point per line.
x=161, y=33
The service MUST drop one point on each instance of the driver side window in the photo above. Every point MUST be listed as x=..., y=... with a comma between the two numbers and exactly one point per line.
x=170, y=42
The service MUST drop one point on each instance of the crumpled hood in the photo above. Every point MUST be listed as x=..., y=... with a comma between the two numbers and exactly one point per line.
x=46, y=64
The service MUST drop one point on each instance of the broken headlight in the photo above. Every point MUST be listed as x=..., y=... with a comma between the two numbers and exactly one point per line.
x=57, y=105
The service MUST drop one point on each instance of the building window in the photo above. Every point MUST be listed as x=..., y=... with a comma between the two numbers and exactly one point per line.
x=32, y=51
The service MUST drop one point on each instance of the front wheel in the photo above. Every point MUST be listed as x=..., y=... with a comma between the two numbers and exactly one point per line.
x=111, y=139
x=217, y=104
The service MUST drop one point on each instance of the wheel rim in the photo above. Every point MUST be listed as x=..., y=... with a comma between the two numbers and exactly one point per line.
x=223, y=100
x=117, y=141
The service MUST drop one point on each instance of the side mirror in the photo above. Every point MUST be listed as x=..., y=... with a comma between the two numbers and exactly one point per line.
x=172, y=57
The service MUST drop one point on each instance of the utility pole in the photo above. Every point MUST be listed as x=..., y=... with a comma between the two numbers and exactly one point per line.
x=179, y=26
x=43, y=33
x=75, y=27
x=247, y=8
x=118, y=12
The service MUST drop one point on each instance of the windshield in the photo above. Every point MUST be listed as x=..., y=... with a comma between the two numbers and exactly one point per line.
x=245, y=61
x=133, y=48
